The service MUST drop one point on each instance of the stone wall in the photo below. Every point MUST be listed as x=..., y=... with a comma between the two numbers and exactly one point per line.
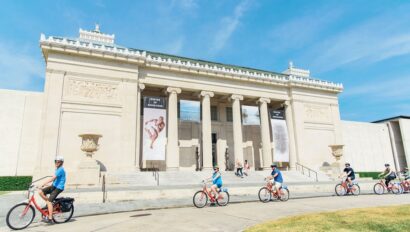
x=20, y=116
x=367, y=146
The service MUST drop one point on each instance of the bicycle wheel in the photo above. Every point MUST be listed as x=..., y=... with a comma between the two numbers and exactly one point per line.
x=265, y=195
x=284, y=195
x=355, y=190
x=340, y=190
x=396, y=188
x=379, y=189
x=200, y=199
x=20, y=216
x=223, y=199
x=61, y=217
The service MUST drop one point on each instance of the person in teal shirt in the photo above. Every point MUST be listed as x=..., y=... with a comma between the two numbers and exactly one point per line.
x=57, y=186
x=216, y=181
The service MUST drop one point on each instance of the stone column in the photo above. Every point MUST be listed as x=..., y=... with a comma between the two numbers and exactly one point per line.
x=172, y=159
x=265, y=132
x=141, y=87
x=206, y=130
x=237, y=127
x=292, y=145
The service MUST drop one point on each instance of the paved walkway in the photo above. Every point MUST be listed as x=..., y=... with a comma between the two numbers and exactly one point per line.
x=234, y=217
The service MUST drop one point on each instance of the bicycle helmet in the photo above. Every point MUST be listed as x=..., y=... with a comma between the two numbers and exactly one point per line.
x=59, y=158
x=347, y=164
x=273, y=165
x=387, y=165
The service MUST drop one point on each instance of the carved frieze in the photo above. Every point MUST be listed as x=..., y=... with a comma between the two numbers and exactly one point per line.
x=92, y=90
x=317, y=113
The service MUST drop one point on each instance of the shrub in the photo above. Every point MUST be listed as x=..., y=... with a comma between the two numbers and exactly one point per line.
x=13, y=183
x=373, y=175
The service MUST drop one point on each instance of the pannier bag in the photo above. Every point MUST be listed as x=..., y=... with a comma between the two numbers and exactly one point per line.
x=66, y=203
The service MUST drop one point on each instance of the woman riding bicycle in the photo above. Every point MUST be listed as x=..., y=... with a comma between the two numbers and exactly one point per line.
x=216, y=179
x=348, y=172
x=388, y=174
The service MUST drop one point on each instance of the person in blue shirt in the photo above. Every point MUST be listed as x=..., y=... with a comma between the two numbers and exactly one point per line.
x=216, y=181
x=276, y=178
x=58, y=183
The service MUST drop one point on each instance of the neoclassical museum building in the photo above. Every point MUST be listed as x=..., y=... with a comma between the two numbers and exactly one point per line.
x=154, y=110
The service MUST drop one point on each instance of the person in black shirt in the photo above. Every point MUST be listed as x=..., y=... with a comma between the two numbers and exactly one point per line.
x=349, y=173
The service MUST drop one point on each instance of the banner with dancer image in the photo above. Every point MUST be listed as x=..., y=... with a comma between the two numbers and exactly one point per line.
x=280, y=136
x=154, y=128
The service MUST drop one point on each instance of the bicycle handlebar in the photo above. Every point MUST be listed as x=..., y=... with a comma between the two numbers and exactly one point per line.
x=42, y=178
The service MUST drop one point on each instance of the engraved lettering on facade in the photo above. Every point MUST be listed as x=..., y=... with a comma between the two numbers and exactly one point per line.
x=93, y=90
x=317, y=113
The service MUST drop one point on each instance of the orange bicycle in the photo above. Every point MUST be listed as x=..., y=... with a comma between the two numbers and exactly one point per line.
x=266, y=193
x=343, y=188
x=380, y=187
x=200, y=198
x=22, y=215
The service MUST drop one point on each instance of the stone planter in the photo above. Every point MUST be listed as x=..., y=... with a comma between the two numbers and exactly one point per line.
x=90, y=143
x=337, y=151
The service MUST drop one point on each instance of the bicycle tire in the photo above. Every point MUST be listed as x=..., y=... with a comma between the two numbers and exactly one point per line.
x=285, y=195
x=31, y=208
x=355, y=190
x=226, y=198
x=396, y=189
x=340, y=190
x=262, y=195
x=377, y=189
x=70, y=215
x=196, y=204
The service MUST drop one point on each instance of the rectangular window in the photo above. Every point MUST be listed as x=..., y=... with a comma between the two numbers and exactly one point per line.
x=189, y=110
x=214, y=113
x=229, y=117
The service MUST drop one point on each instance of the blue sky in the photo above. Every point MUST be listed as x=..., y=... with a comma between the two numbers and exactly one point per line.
x=363, y=44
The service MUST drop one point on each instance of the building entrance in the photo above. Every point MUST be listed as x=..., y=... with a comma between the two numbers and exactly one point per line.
x=214, y=158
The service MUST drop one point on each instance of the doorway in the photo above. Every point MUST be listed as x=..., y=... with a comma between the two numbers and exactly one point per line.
x=214, y=158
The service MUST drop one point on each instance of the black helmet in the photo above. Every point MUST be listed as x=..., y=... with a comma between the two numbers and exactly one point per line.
x=273, y=165
x=387, y=165
x=347, y=164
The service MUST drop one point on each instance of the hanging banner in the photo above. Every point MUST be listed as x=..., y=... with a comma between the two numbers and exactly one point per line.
x=280, y=136
x=154, y=128
x=250, y=115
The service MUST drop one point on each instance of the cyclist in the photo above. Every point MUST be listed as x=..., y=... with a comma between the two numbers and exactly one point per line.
x=276, y=178
x=406, y=175
x=58, y=182
x=348, y=172
x=216, y=179
x=388, y=174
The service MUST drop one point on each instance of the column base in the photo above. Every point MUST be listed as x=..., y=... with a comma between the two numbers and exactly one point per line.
x=172, y=169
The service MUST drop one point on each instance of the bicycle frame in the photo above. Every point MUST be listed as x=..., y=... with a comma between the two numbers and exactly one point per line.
x=346, y=186
x=277, y=193
x=390, y=187
x=208, y=193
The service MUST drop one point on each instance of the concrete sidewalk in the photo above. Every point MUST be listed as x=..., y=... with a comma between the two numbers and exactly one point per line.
x=234, y=217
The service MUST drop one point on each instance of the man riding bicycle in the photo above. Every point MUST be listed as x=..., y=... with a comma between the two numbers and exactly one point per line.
x=348, y=172
x=216, y=181
x=388, y=174
x=276, y=178
x=406, y=176
x=56, y=188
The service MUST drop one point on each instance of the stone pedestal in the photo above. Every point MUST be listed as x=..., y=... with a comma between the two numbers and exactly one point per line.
x=333, y=170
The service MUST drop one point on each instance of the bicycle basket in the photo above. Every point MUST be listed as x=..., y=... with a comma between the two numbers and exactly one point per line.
x=66, y=203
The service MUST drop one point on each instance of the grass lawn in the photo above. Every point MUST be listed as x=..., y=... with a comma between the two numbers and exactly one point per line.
x=392, y=218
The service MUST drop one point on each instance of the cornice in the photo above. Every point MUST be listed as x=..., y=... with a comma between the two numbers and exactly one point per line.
x=159, y=61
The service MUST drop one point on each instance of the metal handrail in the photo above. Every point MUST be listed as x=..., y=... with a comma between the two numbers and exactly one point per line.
x=103, y=189
x=155, y=173
x=302, y=169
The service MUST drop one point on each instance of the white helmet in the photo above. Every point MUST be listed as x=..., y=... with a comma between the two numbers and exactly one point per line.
x=59, y=158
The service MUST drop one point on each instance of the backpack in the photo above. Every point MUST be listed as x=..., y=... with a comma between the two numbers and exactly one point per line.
x=66, y=203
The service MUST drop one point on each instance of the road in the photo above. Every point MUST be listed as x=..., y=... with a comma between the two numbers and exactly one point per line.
x=234, y=217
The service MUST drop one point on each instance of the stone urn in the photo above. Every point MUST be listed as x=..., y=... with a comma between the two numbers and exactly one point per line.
x=89, y=143
x=337, y=151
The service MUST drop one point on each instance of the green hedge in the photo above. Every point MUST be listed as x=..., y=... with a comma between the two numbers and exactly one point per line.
x=373, y=175
x=13, y=183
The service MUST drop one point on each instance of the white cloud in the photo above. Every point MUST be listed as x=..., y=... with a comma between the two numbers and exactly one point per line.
x=379, y=38
x=19, y=69
x=228, y=25
x=187, y=5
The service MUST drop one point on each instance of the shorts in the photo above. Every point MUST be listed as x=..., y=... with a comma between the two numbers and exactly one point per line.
x=351, y=177
x=277, y=185
x=53, y=191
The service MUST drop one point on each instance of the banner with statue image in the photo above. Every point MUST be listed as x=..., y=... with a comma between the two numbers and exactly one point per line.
x=280, y=136
x=154, y=128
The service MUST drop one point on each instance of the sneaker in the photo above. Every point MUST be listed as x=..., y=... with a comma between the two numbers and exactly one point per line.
x=212, y=204
x=47, y=220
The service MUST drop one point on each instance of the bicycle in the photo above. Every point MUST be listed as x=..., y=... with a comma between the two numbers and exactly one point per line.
x=266, y=193
x=343, y=188
x=22, y=215
x=200, y=198
x=380, y=187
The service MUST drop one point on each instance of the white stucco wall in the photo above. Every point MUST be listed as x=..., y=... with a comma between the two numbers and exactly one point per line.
x=20, y=116
x=405, y=135
x=367, y=145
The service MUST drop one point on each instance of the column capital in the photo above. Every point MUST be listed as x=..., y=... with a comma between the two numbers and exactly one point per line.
x=206, y=93
x=263, y=100
x=286, y=103
x=174, y=90
x=237, y=97
x=141, y=86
